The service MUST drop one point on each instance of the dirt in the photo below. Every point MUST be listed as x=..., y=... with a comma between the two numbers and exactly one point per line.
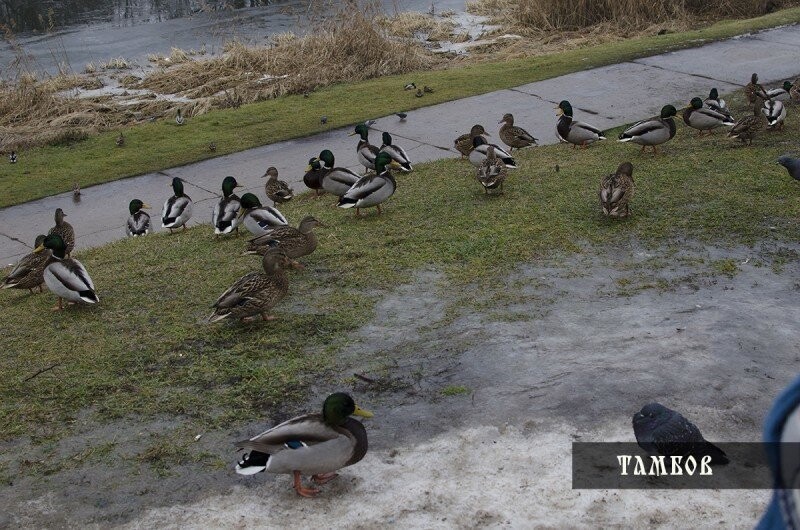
x=477, y=402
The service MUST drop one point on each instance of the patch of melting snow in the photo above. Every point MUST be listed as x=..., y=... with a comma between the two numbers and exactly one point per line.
x=482, y=476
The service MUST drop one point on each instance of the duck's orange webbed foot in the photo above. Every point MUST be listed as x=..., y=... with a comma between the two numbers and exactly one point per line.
x=324, y=478
x=303, y=492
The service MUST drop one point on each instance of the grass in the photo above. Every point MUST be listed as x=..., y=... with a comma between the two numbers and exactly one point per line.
x=454, y=390
x=145, y=351
x=160, y=145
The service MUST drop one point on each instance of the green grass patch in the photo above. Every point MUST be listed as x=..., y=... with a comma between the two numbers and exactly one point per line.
x=162, y=145
x=146, y=351
x=454, y=390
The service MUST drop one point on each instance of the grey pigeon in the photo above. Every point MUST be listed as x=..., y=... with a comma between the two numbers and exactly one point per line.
x=662, y=431
x=402, y=116
x=792, y=165
x=323, y=120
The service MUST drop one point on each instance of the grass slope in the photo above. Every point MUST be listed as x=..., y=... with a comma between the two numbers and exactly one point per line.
x=146, y=351
x=162, y=145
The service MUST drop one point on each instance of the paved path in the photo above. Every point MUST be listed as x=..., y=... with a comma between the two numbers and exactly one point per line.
x=607, y=97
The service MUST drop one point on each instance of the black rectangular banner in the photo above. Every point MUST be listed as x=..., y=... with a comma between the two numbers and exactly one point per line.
x=627, y=466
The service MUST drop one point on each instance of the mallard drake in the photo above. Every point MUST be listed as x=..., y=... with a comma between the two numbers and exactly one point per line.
x=780, y=93
x=752, y=88
x=463, y=143
x=29, y=271
x=696, y=116
x=366, y=152
x=397, y=153
x=139, y=221
x=257, y=218
x=747, y=127
x=492, y=171
x=225, y=217
x=577, y=133
x=480, y=148
x=120, y=140
x=313, y=444
x=256, y=292
x=277, y=190
x=295, y=242
x=313, y=177
x=616, y=191
x=66, y=277
x=177, y=209
x=65, y=230
x=336, y=180
x=652, y=132
x=775, y=111
x=372, y=190
x=716, y=103
x=179, y=118
x=514, y=136
x=12, y=158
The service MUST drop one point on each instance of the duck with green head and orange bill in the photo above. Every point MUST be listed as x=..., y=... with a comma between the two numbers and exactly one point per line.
x=653, y=132
x=177, y=209
x=574, y=132
x=313, y=176
x=372, y=190
x=704, y=119
x=336, y=180
x=225, y=217
x=257, y=218
x=316, y=444
x=139, y=221
x=397, y=153
x=66, y=277
x=365, y=151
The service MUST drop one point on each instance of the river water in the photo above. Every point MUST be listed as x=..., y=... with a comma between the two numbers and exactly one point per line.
x=69, y=34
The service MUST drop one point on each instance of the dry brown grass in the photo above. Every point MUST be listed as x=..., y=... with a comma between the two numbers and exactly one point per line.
x=412, y=24
x=351, y=46
x=571, y=15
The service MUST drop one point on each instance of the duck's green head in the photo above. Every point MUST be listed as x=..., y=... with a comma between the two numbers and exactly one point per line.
x=54, y=243
x=135, y=205
x=713, y=94
x=787, y=85
x=249, y=200
x=339, y=406
x=39, y=240
x=383, y=160
x=59, y=216
x=228, y=184
x=177, y=186
x=361, y=130
x=668, y=111
x=478, y=140
x=386, y=138
x=313, y=164
x=327, y=158
x=754, y=79
x=564, y=108
x=695, y=103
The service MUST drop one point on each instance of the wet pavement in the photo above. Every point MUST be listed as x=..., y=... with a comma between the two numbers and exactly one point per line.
x=606, y=97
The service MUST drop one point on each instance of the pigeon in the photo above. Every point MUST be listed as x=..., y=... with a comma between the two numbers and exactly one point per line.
x=410, y=86
x=13, y=157
x=662, y=431
x=419, y=93
x=402, y=116
x=427, y=89
x=323, y=120
x=370, y=123
x=120, y=139
x=792, y=165
x=179, y=118
x=212, y=146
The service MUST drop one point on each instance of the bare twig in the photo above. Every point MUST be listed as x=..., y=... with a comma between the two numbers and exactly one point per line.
x=40, y=372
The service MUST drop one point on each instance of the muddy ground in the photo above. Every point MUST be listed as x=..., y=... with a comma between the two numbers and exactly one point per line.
x=478, y=395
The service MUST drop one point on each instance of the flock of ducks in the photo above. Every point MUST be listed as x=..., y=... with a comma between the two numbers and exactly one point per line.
x=319, y=444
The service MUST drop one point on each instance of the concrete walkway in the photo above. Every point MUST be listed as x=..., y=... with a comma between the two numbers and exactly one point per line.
x=606, y=97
